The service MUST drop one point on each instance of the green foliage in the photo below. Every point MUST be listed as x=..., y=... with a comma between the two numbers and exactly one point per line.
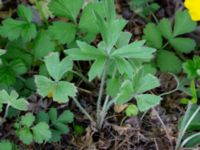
x=58, y=124
x=154, y=35
x=131, y=110
x=24, y=28
x=28, y=131
x=7, y=145
x=144, y=7
x=13, y=100
x=192, y=67
x=189, y=136
x=139, y=84
x=60, y=91
x=65, y=8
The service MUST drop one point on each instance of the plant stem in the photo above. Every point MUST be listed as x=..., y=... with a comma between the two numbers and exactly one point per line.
x=103, y=78
x=6, y=111
x=104, y=111
x=186, y=124
x=83, y=110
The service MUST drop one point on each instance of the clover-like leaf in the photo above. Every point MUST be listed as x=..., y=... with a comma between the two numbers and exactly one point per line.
x=57, y=68
x=183, y=23
x=41, y=132
x=152, y=35
x=13, y=100
x=59, y=30
x=59, y=91
x=27, y=120
x=66, y=8
x=134, y=50
x=172, y=64
x=147, y=101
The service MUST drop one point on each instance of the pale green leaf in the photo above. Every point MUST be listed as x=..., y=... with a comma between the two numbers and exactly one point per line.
x=134, y=50
x=97, y=68
x=63, y=90
x=25, y=136
x=41, y=132
x=131, y=110
x=57, y=68
x=126, y=92
x=66, y=8
x=44, y=85
x=27, y=120
x=147, y=101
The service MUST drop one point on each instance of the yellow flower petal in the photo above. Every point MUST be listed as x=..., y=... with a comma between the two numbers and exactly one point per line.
x=193, y=6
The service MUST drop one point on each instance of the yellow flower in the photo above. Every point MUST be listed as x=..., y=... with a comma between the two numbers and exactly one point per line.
x=194, y=8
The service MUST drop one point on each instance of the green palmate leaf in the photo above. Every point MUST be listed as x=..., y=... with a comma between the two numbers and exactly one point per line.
x=183, y=23
x=97, y=68
x=25, y=13
x=66, y=8
x=86, y=52
x=88, y=19
x=18, y=66
x=66, y=117
x=61, y=127
x=41, y=132
x=192, y=67
x=131, y=110
x=43, y=45
x=123, y=66
x=63, y=32
x=17, y=103
x=7, y=76
x=123, y=39
x=147, y=101
x=165, y=28
x=44, y=85
x=53, y=115
x=172, y=64
x=146, y=83
x=113, y=86
x=42, y=116
x=110, y=30
x=57, y=68
x=134, y=50
x=27, y=120
x=152, y=35
x=7, y=145
x=184, y=45
x=63, y=90
x=126, y=92
x=14, y=29
x=13, y=100
x=15, y=50
x=59, y=91
x=25, y=136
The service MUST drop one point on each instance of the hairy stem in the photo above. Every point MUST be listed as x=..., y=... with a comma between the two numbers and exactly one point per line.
x=103, y=78
x=83, y=110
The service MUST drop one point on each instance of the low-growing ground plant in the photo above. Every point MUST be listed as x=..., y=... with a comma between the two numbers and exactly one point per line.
x=45, y=46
